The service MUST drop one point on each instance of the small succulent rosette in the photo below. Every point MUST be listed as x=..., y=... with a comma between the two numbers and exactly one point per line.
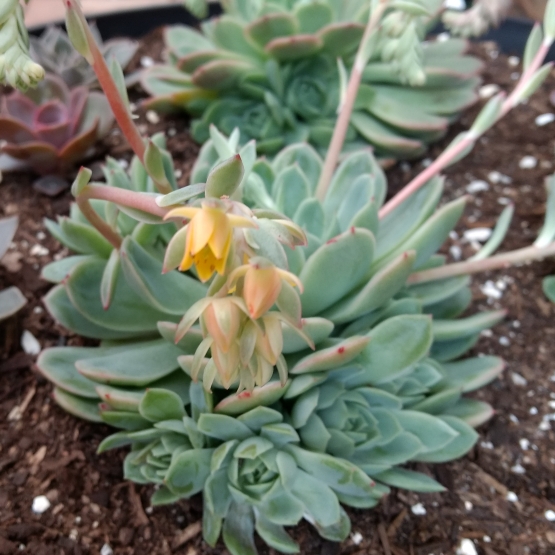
x=52, y=128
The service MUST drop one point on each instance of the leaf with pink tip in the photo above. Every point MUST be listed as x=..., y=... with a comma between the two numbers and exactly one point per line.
x=270, y=27
x=329, y=358
x=472, y=373
x=82, y=408
x=473, y=412
x=260, y=396
x=221, y=74
x=340, y=39
x=191, y=62
x=287, y=49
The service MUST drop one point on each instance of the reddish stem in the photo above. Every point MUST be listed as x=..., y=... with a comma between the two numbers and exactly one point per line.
x=123, y=197
x=95, y=220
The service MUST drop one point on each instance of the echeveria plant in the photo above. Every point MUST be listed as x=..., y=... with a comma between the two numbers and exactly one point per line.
x=276, y=70
x=11, y=299
x=52, y=127
x=16, y=67
x=330, y=336
x=54, y=51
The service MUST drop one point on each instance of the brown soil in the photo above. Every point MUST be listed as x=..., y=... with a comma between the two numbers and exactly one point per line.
x=44, y=451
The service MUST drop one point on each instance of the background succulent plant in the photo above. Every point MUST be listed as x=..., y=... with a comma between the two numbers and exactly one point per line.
x=270, y=69
x=382, y=388
x=51, y=128
x=54, y=51
x=11, y=299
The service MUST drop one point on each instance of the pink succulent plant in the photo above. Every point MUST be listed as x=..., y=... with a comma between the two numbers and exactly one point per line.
x=51, y=128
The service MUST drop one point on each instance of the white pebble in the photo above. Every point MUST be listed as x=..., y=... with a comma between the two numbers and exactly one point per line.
x=528, y=162
x=73, y=534
x=123, y=163
x=468, y=505
x=477, y=186
x=551, y=404
x=487, y=91
x=458, y=5
x=41, y=236
x=504, y=201
x=442, y=37
x=486, y=539
x=518, y=379
x=38, y=310
x=518, y=469
x=147, y=61
x=357, y=538
x=550, y=515
x=512, y=497
x=172, y=132
x=486, y=445
x=106, y=550
x=489, y=290
x=418, y=509
x=467, y=547
x=514, y=419
x=480, y=234
x=513, y=61
x=152, y=117
x=426, y=162
x=497, y=177
x=524, y=444
x=38, y=250
x=486, y=333
x=544, y=119
x=40, y=504
x=178, y=173
x=515, y=75
x=456, y=252
x=504, y=341
x=544, y=426
x=533, y=411
x=30, y=344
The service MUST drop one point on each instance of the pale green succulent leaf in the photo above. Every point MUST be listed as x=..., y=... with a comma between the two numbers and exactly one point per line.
x=472, y=373
x=473, y=412
x=548, y=286
x=114, y=441
x=161, y=404
x=119, y=399
x=379, y=290
x=447, y=330
x=304, y=408
x=163, y=496
x=275, y=535
x=434, y=292
x=188, y=472
x=409, y=479
x=439, y=402
x=57, y=271
x=452, y=306
x=434, y=433
x=302, y=383
x=261, y=416
x=445, y=351
x=238, y=530
x=211, y=527
x=279, y=434
x=252, y=448
x=310, y=216
x=125, y=420
x=109, y=278
x=223, y=427
x=217, y=497
x=336, y=268
x=239, y=403
x=78, y=406
x=457, y=447
x=137, y=365
x=314, y=434
x=11, y=301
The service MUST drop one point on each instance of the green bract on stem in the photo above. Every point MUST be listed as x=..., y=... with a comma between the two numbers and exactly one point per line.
x=85, y=43
x=346, y=109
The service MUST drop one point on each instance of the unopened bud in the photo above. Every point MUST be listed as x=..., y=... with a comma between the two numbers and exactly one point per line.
x=224, y=179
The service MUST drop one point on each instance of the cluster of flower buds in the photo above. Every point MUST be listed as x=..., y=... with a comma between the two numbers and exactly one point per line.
x=242, y=332
x=16, y=67
x=478, y=19
x=403, y=45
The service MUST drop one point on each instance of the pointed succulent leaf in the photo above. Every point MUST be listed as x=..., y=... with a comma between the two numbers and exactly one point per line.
x=433, y=432
x=395, y=345
x=302, y=383
x=472, y=373
x=188, y=472
x=336, y=268
x=341, y=39
x=447, y=330
x=473, y=412
x=78, y=406
x=271, y=26
x=223, y=427
x=125, y=420
x=332, y=357
x=252, y=447
x=161, y=404
x=279, y=434
x=261, y=416
x=434, y=292
x=439, y=402
x=382, y=286
x=275, y=535
x=109, y=278
x=238, y=530
x=457, y=447
x=409, y=479
x=304, y=407
x=445, y=351
x=137, y=365
x=119, y=399
x=260, y=396
x=224, y=178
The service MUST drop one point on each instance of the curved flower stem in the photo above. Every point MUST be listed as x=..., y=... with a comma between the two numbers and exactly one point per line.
x=342, y=124
x=503, y=260
x=447, y=156
x=88, y=211
x=132, y=199
x=118, y=105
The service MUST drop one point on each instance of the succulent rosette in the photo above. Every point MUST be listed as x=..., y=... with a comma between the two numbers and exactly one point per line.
x=270, y=69
x=52, y=127
x=53, y=51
